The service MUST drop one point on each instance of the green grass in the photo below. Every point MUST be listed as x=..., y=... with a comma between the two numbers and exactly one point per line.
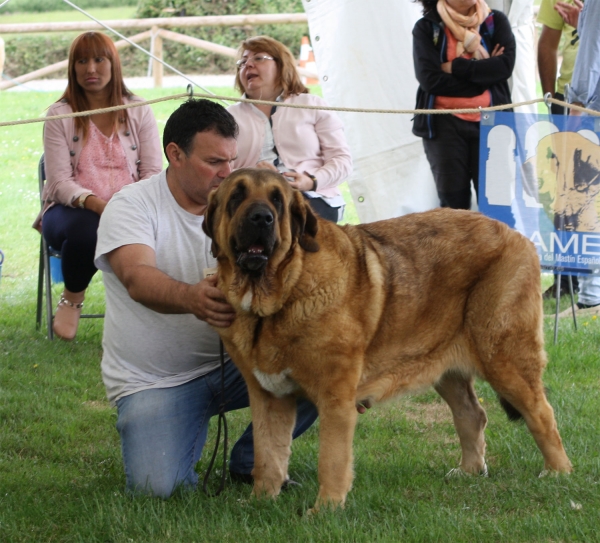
x=61, y=475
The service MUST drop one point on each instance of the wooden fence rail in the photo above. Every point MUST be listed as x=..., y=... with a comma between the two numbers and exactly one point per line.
x=157, y=34
x=161, y=22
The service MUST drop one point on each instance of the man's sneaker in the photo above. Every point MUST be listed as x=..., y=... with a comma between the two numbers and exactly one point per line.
x=586, y=306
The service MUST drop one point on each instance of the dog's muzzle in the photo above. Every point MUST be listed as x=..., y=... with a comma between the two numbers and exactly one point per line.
x=255, y=239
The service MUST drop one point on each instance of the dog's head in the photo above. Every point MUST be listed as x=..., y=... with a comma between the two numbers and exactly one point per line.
x=254, y=218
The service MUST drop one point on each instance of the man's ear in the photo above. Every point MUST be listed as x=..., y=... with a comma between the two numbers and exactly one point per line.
x=208, y=225
x=304, y=223
x=174, y=153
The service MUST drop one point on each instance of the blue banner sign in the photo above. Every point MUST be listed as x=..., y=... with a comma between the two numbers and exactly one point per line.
x=540, y=174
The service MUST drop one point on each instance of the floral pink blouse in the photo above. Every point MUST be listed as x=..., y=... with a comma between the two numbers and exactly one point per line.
x=103, y=167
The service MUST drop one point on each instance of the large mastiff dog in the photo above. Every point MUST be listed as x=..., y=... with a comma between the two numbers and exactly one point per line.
x=351, y=314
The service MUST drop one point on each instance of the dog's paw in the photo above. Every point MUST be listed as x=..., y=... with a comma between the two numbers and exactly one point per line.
x=456, y=472
x=310, y=513
x=459, y=472
x=551, y=473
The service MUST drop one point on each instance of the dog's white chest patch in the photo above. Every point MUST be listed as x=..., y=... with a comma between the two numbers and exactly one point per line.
x=276, y=383
x=247, y=300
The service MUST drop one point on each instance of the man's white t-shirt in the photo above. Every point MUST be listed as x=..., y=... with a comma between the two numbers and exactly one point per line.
x=144, y=349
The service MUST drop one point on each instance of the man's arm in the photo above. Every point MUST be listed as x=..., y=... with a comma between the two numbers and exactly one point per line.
x=547, y=58
x=135, y=266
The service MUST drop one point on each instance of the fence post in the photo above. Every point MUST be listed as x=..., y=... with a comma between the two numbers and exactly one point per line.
x=157, y=51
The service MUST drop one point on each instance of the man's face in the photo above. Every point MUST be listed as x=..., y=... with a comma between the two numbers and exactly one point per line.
x=200, y=172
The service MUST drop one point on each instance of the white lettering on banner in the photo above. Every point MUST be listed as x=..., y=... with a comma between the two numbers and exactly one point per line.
x=537, y=240
x=567, y=259
x=590, y=244
x=588, y=260
x=564, y=248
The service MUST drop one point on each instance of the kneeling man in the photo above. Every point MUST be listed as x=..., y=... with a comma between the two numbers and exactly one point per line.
x=161, y=356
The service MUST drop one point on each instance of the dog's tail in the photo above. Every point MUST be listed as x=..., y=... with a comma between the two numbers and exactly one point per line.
x=510, y=410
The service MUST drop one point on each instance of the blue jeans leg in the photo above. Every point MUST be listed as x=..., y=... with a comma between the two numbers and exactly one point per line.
x=242, y=454
x=589, y=289
x=163, y=431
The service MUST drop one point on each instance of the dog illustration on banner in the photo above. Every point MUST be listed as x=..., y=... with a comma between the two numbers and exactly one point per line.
x=558, y=170
x=567, y=168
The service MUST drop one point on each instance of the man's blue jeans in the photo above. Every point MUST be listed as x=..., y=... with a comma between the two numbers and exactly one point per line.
x=163, y=430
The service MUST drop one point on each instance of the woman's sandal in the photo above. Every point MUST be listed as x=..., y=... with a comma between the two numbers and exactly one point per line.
x=66, y=319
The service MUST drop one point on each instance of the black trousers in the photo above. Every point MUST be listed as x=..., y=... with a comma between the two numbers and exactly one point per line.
x=73, y=232
x=453, y=156
x=323, y=210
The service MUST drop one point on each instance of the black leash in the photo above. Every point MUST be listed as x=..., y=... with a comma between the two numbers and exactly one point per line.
x=223, y=420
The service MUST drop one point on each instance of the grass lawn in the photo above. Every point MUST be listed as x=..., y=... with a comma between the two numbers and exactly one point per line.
x=61, y=475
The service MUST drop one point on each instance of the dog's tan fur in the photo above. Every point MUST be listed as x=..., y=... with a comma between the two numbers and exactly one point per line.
x=346, y=314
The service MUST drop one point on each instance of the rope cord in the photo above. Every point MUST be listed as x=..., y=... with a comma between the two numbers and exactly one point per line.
x=547, y=99
x=223, y=421
x=189, y=94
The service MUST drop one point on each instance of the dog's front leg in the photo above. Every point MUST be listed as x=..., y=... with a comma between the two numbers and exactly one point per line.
x=337, y=423
x=273, y=422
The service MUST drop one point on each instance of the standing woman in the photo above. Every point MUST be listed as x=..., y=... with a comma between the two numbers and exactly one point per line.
x=463, y=54
x=87, y=160
x=308, y=146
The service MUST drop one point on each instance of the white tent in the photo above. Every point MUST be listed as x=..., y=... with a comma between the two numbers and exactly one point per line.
x=363, y=52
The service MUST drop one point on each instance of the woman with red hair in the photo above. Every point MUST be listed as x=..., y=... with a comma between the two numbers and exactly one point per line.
x=87, y=160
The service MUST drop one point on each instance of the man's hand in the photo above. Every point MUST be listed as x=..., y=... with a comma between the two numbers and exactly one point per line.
x=569, y=12
x=210, y=305
x=135, y=266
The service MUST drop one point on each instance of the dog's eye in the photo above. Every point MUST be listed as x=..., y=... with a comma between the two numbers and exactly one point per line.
x=236, y=198
x=277, y=200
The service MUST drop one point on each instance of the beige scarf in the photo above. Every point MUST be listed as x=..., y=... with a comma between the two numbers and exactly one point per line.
x=465, y=27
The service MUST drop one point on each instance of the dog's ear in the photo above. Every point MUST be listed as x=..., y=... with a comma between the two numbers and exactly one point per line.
x=208, y=225
x=304, y=223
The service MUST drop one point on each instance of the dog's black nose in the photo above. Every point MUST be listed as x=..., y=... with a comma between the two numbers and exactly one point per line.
x=261, y=217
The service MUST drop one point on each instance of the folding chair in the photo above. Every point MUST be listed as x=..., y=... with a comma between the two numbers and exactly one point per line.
x=44, y=273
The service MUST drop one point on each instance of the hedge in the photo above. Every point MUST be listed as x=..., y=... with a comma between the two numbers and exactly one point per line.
x=43, y=6
x=26, y=53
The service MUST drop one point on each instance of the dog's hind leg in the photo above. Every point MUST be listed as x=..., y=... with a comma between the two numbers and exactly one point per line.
x=469, y=419
x=520, y=384
x=273, y=423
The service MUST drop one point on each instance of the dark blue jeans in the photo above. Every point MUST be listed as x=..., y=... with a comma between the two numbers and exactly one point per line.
x=163, y=431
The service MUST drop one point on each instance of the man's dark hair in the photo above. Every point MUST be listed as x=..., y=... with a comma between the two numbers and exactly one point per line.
x=195, y=116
